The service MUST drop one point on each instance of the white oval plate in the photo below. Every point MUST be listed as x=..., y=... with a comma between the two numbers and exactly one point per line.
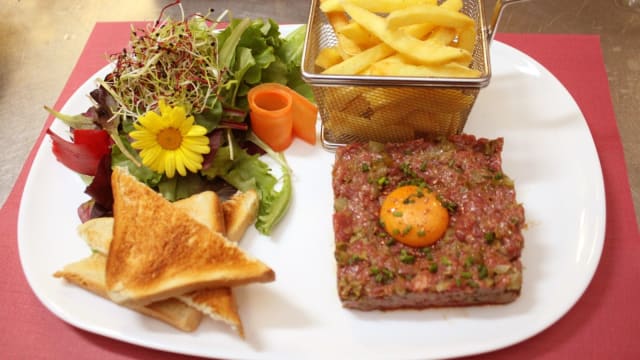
x=548, y=151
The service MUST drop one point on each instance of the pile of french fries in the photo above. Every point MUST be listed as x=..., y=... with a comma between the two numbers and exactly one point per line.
x=392, y=114
x=399, y=37
x=414, y=38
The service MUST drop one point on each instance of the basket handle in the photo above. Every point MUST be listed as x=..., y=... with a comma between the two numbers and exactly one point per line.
x=497, y=14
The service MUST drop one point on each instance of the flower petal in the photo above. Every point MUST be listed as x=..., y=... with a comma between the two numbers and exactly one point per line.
x=180, y=163
x=196, y=130
x=169, y=163
x=188, y=154
x=151, y=122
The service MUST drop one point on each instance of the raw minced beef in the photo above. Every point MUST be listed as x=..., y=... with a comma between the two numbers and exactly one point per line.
x=477, y=261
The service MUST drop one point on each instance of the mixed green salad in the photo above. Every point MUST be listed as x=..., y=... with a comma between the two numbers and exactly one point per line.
x=188, y=70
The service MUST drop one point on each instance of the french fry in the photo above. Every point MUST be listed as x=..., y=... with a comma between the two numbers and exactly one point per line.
x=359, y=106
x=342, y=98
x=412, y=38
x=383, y=6
x=360, y=128
x=442, y=36
x=359, y=35
x=418, y=31
x=420, y=51
x=391, y=114
x=382, y=97
x=337, y=20
x=346, y=46
x=433, y=14
x=453, y=5
x=360, y=62
x=432, y=123
x=398, y=68
x=444, y=100
x=421, y=30
x=328, y=57
x=467, y=39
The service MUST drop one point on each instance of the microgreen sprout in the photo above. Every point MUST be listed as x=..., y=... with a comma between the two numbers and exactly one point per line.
x=170, y=59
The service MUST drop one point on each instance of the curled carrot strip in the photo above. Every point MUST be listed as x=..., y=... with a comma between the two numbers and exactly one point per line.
x=278, y=113
x=272, y=116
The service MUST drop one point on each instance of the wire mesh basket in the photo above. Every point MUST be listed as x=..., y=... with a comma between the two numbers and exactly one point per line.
x=357, y=108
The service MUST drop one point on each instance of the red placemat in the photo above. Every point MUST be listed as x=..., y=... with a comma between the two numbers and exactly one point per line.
x=603, y=323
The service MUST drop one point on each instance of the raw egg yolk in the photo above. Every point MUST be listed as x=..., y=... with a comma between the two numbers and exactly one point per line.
x=414, y=216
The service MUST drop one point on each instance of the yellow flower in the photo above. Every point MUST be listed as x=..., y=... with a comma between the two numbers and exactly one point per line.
x=169, y=141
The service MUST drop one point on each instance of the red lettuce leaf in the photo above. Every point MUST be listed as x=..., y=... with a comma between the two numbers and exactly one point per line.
x=84, y=153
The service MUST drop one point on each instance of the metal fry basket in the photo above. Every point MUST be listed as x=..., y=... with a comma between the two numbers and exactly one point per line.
x=394, y=108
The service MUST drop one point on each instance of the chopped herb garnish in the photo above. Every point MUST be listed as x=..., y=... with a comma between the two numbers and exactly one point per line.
x=388, y=273
x=406, y=257
x=433, y=268
x=365, y=167
x=469, y=261
x=489, y=237
x=472, y=283
x=483, y=272
x=445, y=261
x=449, y=205
x=355, y=259
x=381, y=276
x=427, y=253
x=406, y=169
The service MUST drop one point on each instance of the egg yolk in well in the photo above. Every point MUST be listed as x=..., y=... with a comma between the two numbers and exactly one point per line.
x=414, y=216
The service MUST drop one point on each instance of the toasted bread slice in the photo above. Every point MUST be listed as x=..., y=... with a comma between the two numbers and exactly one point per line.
x=206, y=208
x=231, y=219
x=219, y=304
x=97, y=233
x=240, y=211
x=89, y=273
x=158, y=252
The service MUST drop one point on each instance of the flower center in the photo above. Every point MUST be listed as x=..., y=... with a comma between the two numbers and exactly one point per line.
x=169, y=138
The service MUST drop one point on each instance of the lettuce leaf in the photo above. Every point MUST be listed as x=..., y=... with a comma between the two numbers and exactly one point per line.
x=261, y=55
x=244, y=172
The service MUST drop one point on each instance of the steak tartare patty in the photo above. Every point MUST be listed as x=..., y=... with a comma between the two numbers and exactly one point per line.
x=477, y=260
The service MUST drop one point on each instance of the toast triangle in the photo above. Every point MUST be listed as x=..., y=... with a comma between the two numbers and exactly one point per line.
x=240, y=211
x=88, y=274
x=237, y=213
x=219, y=303
x=158, y=251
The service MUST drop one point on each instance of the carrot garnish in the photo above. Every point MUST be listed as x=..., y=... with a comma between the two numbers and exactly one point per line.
x=278, y=113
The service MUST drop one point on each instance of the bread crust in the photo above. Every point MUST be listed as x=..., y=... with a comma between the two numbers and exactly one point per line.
x=207, y=208
x=240, y=211
x=89, y=274
x=158, y=251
